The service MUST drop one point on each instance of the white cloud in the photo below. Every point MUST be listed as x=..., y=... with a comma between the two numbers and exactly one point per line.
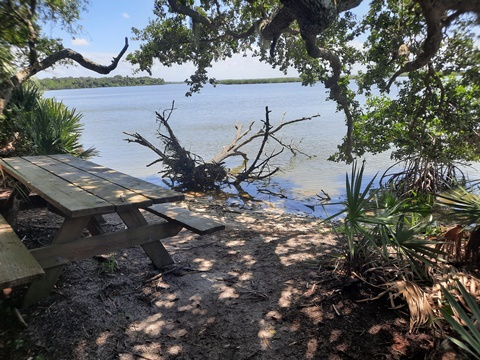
x=80, y=42
x=357, y=44
x=126, y=16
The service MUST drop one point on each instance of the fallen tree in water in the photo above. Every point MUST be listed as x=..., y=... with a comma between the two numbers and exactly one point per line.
x=185, y=170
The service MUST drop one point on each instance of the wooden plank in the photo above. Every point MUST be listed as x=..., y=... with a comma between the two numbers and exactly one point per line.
x=70, y=230
x=41, y=288
x=155, y=250
x=117, y=195
x=17, y=265
x=154, y=192
x=58, y=254
x=200, y=224
x=66, y=197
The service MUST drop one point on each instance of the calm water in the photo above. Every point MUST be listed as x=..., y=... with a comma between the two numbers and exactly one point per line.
x=204, y=123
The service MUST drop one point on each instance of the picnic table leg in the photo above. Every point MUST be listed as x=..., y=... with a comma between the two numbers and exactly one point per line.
x=12, y=205
x=155, y=250
x=71, y=229
x=94, y=226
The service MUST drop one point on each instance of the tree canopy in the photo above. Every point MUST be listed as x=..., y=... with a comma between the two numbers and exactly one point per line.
x=25, y=50
x=430, y=41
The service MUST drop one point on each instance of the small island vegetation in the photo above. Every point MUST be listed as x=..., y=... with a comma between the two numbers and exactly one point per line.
x=259, y=81
x=119, y=80
x=96, y=82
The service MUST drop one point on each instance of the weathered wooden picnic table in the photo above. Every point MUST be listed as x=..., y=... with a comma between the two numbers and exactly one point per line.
x=82, y=191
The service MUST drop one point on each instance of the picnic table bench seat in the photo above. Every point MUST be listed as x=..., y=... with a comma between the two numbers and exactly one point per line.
x=198, y=224
x=17, y=264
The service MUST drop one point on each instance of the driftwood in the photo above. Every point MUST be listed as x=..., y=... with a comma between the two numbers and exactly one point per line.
x=187, y=171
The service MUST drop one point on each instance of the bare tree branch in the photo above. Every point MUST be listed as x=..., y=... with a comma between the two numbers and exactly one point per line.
x=245, y=174
x=232, y=149
x=50, y=60
x=7, y=86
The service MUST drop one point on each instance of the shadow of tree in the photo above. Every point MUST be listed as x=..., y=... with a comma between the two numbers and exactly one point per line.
x=258, y=290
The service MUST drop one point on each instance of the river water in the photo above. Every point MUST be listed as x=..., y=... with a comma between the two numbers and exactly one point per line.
x=204, y=123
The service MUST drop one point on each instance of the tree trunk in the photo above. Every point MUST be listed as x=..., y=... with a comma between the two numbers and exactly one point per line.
x=5, y=95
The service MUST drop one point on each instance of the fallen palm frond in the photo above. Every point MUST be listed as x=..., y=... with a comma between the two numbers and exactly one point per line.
x=462, y=206
x=421, y=312
x=453, y=243
x=452, y=281
x=472, y=249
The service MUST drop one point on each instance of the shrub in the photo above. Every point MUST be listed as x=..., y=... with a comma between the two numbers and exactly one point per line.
x=33, y=125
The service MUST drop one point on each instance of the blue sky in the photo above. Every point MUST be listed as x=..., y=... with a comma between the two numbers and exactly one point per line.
x=107, y=23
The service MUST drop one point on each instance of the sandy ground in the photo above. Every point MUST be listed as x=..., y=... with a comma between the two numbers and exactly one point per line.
x=264, y=288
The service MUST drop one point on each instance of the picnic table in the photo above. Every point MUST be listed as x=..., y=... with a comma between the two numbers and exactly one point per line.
x=81, y=192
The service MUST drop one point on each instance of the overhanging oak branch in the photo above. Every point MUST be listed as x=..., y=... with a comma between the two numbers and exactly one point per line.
x=7, y=86
x=64, y=54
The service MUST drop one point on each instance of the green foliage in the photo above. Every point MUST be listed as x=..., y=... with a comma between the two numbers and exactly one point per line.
x=23, y=101
x=434, y=116
x=436, y=123
x=19, y=343
x=233, y=27
x=379, y=224
x=357, y=207
x=37, y=126
x=463, y=324
x=90, y=82
x=19, y=18
x=463, y=205
x=52, y=128
x=109, y=264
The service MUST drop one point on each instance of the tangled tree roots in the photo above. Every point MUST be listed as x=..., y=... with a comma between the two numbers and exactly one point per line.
x=203, y=177
x=186, y=171
x=422, y=176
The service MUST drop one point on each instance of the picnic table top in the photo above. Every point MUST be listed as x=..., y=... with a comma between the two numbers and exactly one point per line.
x=77, y=187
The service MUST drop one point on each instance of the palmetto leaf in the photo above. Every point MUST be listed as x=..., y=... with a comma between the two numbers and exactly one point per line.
x=469, y=333
x=464, y=205
x=388, y=228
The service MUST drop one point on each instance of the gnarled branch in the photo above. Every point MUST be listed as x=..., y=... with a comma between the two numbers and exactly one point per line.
x=436, y=19
x=7, y=86
x=75, y=56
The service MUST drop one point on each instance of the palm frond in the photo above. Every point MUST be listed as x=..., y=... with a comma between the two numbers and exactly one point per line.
x=421, y=312
x=469, y=333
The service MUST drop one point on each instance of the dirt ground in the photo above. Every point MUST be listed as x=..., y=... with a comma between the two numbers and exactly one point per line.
x=264, y=288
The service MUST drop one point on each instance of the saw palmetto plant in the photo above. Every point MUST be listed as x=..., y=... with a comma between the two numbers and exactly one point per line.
x=462, y=206
x=464, y=324
x=386, y=227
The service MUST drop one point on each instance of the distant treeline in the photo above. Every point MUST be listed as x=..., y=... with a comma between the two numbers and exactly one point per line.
x=91, y=82
x=118, y=80
x=259, y=81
